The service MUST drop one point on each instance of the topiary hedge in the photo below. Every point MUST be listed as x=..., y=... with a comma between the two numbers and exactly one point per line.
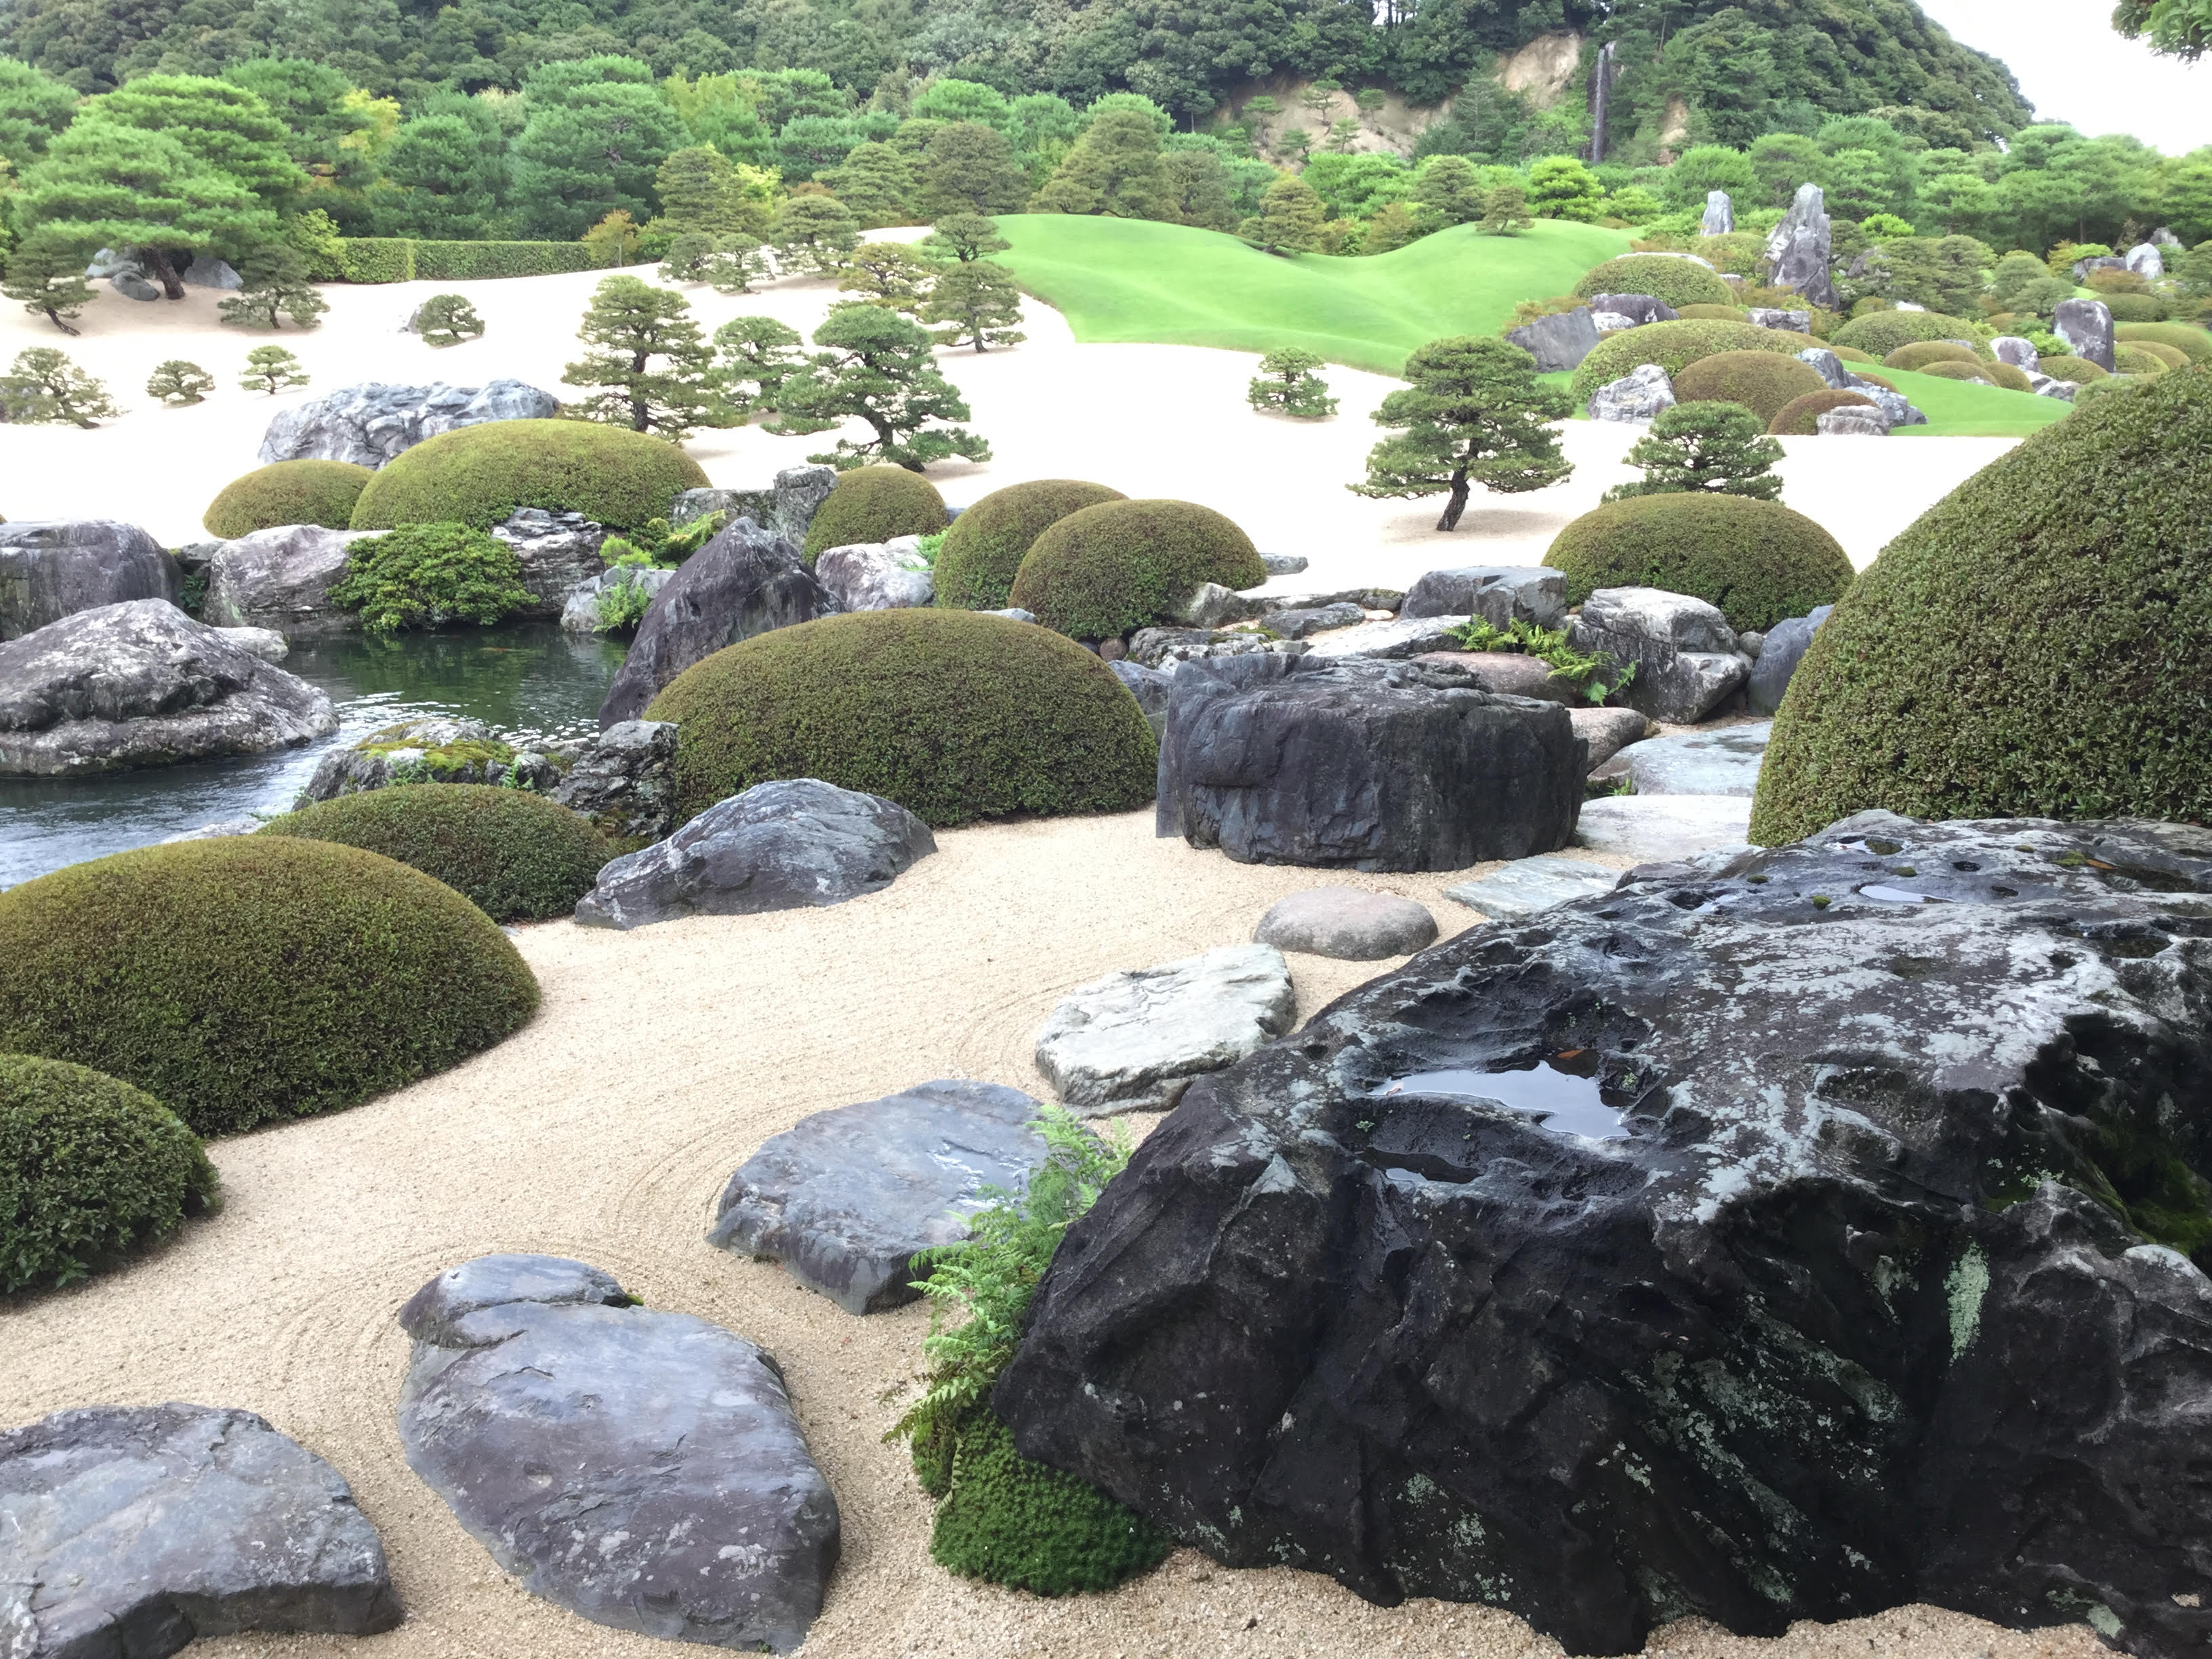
x=1106, y=569
x=90, y=1169
x=1713, y=313
x=478, y=475
x=2172, y=357
x=1978, y=373
x=984, y=549
x=1853, y=354
x=287, y=492
x=2006, y=375
x=954, y=714
x=514, y=855
x=1921, y=353
x=2136, y=360
x=1882, y=332
x=1801, y=417
x=2195, y=343
x=1674, y=346
x=2025, y=647
x=874, y=504
x=1764, y=382
x=2137, y=308
x=1757, y=560
x=256, y=977
x=2078, y=371
x=1678, y=281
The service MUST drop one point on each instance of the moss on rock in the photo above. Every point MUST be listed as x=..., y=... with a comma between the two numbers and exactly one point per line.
x=984, y=549
x=1013, y=1522
x=1757, y=561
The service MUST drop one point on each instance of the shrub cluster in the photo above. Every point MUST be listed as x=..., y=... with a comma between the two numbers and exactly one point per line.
x=425, y=575
x=403, y=259
x=1921, y=353
x=1678, y=281
x=2138, y=307
x=1674, y=346
x=1712, y=313
x=478, y=475
x=874, y=504
x=2132, y=359
x=2078, y=371
x=1801, y=417
x=1764, y=382
x=2194, y=343
x=1119, y=565
x=252, y=978
x=986, y=545
x=287, y=492
x=1757, y=561
x=1013, y=1522
x=1881, y=332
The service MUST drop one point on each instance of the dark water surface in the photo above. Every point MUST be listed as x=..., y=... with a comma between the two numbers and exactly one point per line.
x=532, y=680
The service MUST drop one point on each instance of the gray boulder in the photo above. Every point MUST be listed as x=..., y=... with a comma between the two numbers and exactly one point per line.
x=128, y=1531
x=133, y=285
x=1852, y=421
x=2044, y=386
x=429, y=749
x=1527, y=887
x=1778, y=659
x=2020, y=353
x=745, y=581
x=1685, y=652
x=1894, y=408
x=1654, y=614
x=558, y=551
x=1723, y=762
x=800, y=493
x=1720, y=214
x=1349, y=924
x=110, y=262
x=1509, y=673
x=1638, y=395
x=1801, y=250
x=1605, y=732
x=1284, y=564
x=1830, y=366
x=370, y=424
x=208, y=271
x=2146, y=261
x=281, y=578
x=846, y=1199
x=1164, y=648
x=782, y=845
x=1387, y=641
x=580, y=613
x=50, y=569
x=624, y=780
x=1794, y=322
x=1133, y=1041
x=692, y=505
x=2099, y=262
x=1657, y=828
x=1558, y=341
x=1639, y=308
x=874, y=576
x=1319, y=619
x=1149, y=687
x=643, y=1469
x=1613, y=322
x=2086, y=327
x=1372, y=765
x=265, y=643
x=141, y=684
x=1495, y=592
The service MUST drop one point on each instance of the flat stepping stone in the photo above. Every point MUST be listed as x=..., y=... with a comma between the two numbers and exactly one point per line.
x=846, y=1198
x=1660, y=829
x=1348, y=923
x=642, y=1469
x=1723, y=762
x=1528, y=885
x=129, y=1530
x=1133, y=1041
x=1385, y=641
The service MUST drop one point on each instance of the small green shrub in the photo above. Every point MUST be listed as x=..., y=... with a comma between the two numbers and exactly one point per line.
x=447, y=319
x=1921, y=353
x=1674, y=346
x=1764, y=382
x=953, y=715
x=2136, y=360
x=425, y=575
x=1678, y=281
x=2138, y=307
x=2004, y=374
x=1012, y=1521
x=1290, y=381
x=2195, y=343
x=1757, y=561
x=1103, y=570
x=874, y=504
x=178, y=383
x=1882, y=332
x=1978, y=373
x=90, y=1169
x=986, y=545
x=1712, y=313
x=477, y=475
x=1801, y=417
x=252, y=978
x=2172, y=357
x=287, y=492
x=622, y=607
x=2079, y=371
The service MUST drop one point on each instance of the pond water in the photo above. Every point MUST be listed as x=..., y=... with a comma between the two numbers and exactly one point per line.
x=533, y=680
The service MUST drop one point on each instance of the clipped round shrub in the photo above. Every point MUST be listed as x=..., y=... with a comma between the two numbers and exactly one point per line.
x=1675, y=346
x=2017, y=651
x=1100, y=571
x=1678, y=281
x=2111, y=385
x=90, y=1169
x=1977, y=372
x=1764, y=382
x=1882, y=332
x=2135, y=359
x=954, y=714
x=2195, y=343
x=2006, y=375
x=1801, y=417
x=2079, y=371
x=1853, y=354
x=255, y=978
x=1712, y=313
x=516, y=855
x=874, y=504
x=1921, y=353
x=2172, y=357
x=1757, y=560
x=1875, y=379
x=1028, y=1525
x=2138, y=307
x=287, y=492
x=478, y=475
x=985, y=546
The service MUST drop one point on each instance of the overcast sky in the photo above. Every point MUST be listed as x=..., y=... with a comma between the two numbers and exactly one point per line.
x=2072, y=66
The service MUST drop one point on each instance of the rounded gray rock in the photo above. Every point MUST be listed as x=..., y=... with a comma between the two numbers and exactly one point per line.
x=1348, y=923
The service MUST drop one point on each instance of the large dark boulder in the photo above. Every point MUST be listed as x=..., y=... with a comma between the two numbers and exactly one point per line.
x=54, y=569
x=1779, y=1236
x=744, y=582
x=1373, y=766
x=1558, y=341
x=2086, y=328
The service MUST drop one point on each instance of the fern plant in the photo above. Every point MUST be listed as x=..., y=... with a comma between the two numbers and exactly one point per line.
x=1596, y=674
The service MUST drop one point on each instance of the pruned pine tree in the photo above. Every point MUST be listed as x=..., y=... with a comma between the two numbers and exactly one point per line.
x=179, y=384
x=45, y=386
x=976, y=303
x=1708, y=448
x=878, y=369
x=649, y=370
x=1473, y=413
x=888, y=274
x=755, y=356
x=48, y=277
x=272, y=369
x=1289, y=382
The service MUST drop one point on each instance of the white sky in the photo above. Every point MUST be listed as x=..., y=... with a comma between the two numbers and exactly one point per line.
x=2073, y=68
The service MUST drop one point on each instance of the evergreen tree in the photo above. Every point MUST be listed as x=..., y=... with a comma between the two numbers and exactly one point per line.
x=1291, y=218
x=442, y=178
x=756, y=355
x=226, y=127
x=597, y=135
x=45, y=386
x=888, y=274
x=274, y=284
x=736, y=264
x=651, y=371
x=447, y=319
x=1393, y=227
x=1289, y=380
x=1507, y=214
x=48, y=277
x=178, y=383
x=816, y=234
x=614, y=239
x=881, y=369
x=970, y=167
x=701, y=193
x=876, y=183
x=1447, y=191
x=687, y=257
x=1114, y=169
x=33, y=108
x=1473, y=413
x=1561, y=187
x=270, y=368
x=978, y=302
x=1194, y=190
x=1713, y=448
x=327, y=133
x=963, y=237
x=715, y=112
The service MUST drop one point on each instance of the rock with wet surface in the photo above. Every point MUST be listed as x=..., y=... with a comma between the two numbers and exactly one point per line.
x=643, y=1469
x=126, y=1532
x=847, y=1198
x=557, y=552
x=1133, y=1041
x=1350, y=924
x=1729, y=1243
x=53, y=569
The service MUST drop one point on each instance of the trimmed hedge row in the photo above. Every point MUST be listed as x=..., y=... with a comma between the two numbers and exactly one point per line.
x=1883, y=331
x=404, y=259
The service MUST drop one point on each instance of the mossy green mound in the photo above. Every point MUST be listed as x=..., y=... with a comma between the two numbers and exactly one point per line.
x=2006, y=375
x=287, y=492
x=1678, y=281
x=1921, y=353
x=1027, y=1525
x=954, y=714
x=874, y=504
x=2079, y=371
x=1757, y=560
x=1881, y=332
x=2172, y=357
x=1098, y=573
x=2195, y=343
x=1674, y=346
x=2024, y=647
x=1712, y=313
x=1764, y=382
x=90, y=1169
x=1977, y=373
x=2138, y=360
x=1801, y=417
x=984, y=549
x=1853, y=354
x=514, y=855
x=478, y=475
x=2137, y=308
x=252, y=978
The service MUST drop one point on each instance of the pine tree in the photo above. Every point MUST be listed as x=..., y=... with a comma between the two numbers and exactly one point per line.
x=45, y=386
x=963, y=237
x=614, y=239
x=815, y=234
x=651, y=371
x=271, y=369
x=1393, y=227
x=687, y=256
x=888, y=274
x=441, y=176
x=178, y=383
x=1292, y=218
x=225, y=127
x=1289, y=381
x=275, y=283
x=592, y=144
x=979, y=301
x=1194, y=189
x=1506, y=213
x=1711, y=448
x=699, y=193
x=877, y=184
x=48, y=277
x=881, y=369
x=1447, y=191
x=757, y=355
x=736, y=264
x=970, y=168
x=1114, y=169
x=447, y=319
x=1474, y=413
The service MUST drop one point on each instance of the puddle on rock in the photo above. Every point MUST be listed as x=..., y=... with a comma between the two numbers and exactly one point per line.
x=1560, y=1098
x=1874, y=889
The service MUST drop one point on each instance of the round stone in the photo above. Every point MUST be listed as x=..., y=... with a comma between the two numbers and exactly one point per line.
x=1348, y=923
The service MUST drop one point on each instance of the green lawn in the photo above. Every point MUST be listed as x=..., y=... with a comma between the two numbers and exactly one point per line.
x=1133, y=280
x=1963, y=409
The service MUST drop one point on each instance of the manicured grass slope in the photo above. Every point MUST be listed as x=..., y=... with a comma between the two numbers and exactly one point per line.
x=1962, y=409
x=1133, y=280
